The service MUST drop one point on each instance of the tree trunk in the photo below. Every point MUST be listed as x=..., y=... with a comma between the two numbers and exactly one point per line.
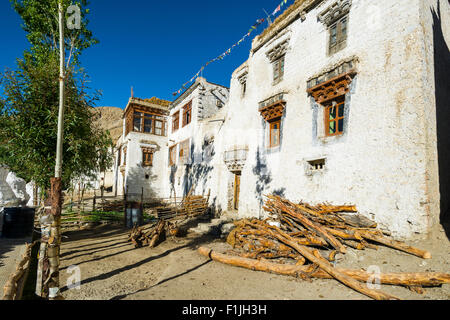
x=397, y=245
x=430, y=279
x=326, y=266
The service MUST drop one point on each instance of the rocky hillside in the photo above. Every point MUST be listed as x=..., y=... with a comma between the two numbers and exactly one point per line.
x=110, y=118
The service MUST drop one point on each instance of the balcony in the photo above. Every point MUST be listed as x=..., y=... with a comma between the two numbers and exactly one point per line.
x=236, y=158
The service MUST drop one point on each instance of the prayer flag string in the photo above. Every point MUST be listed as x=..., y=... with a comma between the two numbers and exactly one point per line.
x=228, y=52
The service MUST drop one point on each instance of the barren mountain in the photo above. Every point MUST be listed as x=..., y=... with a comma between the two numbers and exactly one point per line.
x=110, y=118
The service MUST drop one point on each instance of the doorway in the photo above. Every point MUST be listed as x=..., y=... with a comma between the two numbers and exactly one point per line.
x=237, y=190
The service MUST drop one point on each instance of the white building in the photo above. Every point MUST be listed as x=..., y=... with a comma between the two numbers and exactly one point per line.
x=193, y=126
x=337, y=103
x=340, y=101
x=141, y=152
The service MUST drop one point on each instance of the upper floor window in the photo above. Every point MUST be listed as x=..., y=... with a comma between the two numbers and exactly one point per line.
x=172, y=155
x=125, y=156
x=149, y=123
x=338, y=35
x=334, y=117
x=147, y=157
x=184, y=151
x=243, y=82
x=187, y=114
x=176, y=121
x=272, y=110
x=275, y=132
x=278, y=70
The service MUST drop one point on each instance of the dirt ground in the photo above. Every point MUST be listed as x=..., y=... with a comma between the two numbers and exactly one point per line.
x=112, y=269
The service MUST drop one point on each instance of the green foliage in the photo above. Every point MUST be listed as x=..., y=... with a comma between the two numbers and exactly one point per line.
x=40, y=21
x=30, y=100
x=28, y=125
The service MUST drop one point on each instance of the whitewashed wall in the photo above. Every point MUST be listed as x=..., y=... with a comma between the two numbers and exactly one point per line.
x=386, y=161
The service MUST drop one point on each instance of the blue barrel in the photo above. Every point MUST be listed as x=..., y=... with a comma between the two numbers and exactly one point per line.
x=18, y=223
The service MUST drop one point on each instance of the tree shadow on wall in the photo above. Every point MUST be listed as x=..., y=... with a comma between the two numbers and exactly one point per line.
x=442, y=83
x=198, y=167
x=263, y=176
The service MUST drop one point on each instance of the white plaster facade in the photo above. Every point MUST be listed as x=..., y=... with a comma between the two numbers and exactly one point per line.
x=130, y=173
x=386, y=161
x=194, y=168
x=390, y=160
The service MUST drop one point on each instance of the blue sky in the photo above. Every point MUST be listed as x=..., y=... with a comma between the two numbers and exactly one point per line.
x=154, y=46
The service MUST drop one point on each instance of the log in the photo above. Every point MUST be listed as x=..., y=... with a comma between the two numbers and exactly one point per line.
x=344, y=235
x=426, y=279
x=324, y=209
x=358, y=221
x=159, y=231
x=314, y=227
x=326, y=266
x=396, y=245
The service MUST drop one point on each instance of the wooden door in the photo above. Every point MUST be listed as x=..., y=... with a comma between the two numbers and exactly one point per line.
x=237, y=188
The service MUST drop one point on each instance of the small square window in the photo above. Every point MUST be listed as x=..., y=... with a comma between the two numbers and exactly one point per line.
x=315, y=166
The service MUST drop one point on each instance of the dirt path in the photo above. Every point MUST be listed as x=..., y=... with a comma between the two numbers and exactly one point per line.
x=112, y=269
x=11, y=252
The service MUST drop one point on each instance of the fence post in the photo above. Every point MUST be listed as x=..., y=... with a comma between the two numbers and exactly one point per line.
x=94, y=201
x=141, y=218
x=125, y=205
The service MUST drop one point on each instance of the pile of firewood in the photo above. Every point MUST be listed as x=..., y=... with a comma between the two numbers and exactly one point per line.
x=303, y=240
x=170, y=219
x=151, y=237
x=191, y=206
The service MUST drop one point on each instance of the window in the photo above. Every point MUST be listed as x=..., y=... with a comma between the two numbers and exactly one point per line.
x=243, y=81
x=274, y=137
x=125, y=156
x=159, y=128
x=147, y=157
x=149, y=123
x=187, y=114
x=243, y=88
x=184, y=151
x=338, y=36
x=278, y=70
x=334, y=118
x=316, y=165
x=176, y=121
x=137, y=122
x=172, y=155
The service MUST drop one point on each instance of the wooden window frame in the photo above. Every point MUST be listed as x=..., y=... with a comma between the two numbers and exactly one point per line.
x=176, y=121
x=341, y=38
x=243, y=88
x=187, y=110
x=278, y=69
x=154, y=118
x=272, y=123
x=147, y=157
x=328, y=108
x=181, y=152
x=172, y=155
